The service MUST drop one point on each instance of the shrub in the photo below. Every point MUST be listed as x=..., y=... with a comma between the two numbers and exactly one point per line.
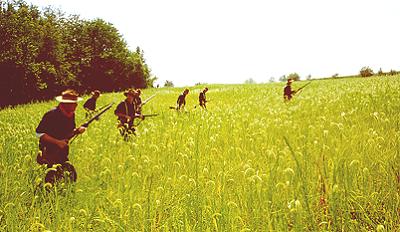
x=366, y=72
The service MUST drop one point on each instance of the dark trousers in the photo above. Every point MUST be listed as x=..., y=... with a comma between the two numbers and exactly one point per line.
x=126, y=130
x=59, y=172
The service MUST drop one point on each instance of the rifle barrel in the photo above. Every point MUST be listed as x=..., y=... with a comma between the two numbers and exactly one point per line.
x=304, y=86
x=148, y=99
x=86, y=124
x=149, y=115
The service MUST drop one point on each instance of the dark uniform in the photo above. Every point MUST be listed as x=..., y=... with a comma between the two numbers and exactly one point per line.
x=181, y=100
x=202, y=99
x=288, y=92
x=90, y=104
x=126, y=127
x=60, y=127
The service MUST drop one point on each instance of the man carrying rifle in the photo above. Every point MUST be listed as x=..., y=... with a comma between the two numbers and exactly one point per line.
x=287, y=91
x=54, y=130
x=181, y=102
x=202, y=98
x=90, y=104
x=127, y=112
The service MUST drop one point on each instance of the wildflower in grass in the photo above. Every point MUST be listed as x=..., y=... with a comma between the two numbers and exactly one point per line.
x=137, y=206
x=28, y=158
x=335, y=188
x=135, y=174
x=354, y=163
x=289, y=171
x=380, y=228
x=249, y=171
x=47, y=186
x=280, y=185
x=83, y=212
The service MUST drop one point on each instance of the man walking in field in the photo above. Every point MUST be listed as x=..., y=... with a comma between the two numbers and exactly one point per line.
x=90, y=104
x=202, y=98
x=287, y=91
x=54, y=131
x=181, y=102
x=127, y=112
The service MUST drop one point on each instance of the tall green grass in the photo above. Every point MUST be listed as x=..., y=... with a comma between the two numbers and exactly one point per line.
x=327, y=161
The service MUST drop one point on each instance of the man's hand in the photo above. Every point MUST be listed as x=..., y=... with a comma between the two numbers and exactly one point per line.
x=139, y=116
x=79, y=130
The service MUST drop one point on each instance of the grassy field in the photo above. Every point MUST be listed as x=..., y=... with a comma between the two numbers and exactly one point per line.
x=327, y=161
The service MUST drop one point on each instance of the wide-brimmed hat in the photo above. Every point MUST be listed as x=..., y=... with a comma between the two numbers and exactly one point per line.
x=130, y=92
x=290, y=80
x=69, y=96
x=96, y=92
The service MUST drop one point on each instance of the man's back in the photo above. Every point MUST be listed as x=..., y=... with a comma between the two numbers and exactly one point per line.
x=90, y=104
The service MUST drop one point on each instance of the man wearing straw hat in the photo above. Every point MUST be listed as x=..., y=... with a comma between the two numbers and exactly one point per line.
x=127, y=112
x=56, y=126
x=90, y=104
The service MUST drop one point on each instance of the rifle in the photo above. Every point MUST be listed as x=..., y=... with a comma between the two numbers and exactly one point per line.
x=99, y=109
x=148, y=99
x=302, y=87
x=144, y=116
x=89, y=113
x=149, y=115
x=86, y=124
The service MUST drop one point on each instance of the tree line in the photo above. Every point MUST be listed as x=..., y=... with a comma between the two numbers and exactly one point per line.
x=45, y=52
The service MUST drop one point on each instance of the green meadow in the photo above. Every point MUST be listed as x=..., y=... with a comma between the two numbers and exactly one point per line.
x=329, y=160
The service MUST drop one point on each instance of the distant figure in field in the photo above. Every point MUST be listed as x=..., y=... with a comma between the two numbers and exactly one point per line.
x=54, y=130
x=126, y=112
x=202, y=98
x=138, y=101
x=287, y=91
x=181, y=102
x=90, y=104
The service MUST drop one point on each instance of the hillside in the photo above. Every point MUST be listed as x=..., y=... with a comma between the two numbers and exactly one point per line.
x=328, y=160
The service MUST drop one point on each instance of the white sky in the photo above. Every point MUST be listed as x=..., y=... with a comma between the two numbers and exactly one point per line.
x=229, y=41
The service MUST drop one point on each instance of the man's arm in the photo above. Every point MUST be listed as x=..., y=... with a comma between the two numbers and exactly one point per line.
x=45, y=138
x=121, y=115
x=119, y=111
